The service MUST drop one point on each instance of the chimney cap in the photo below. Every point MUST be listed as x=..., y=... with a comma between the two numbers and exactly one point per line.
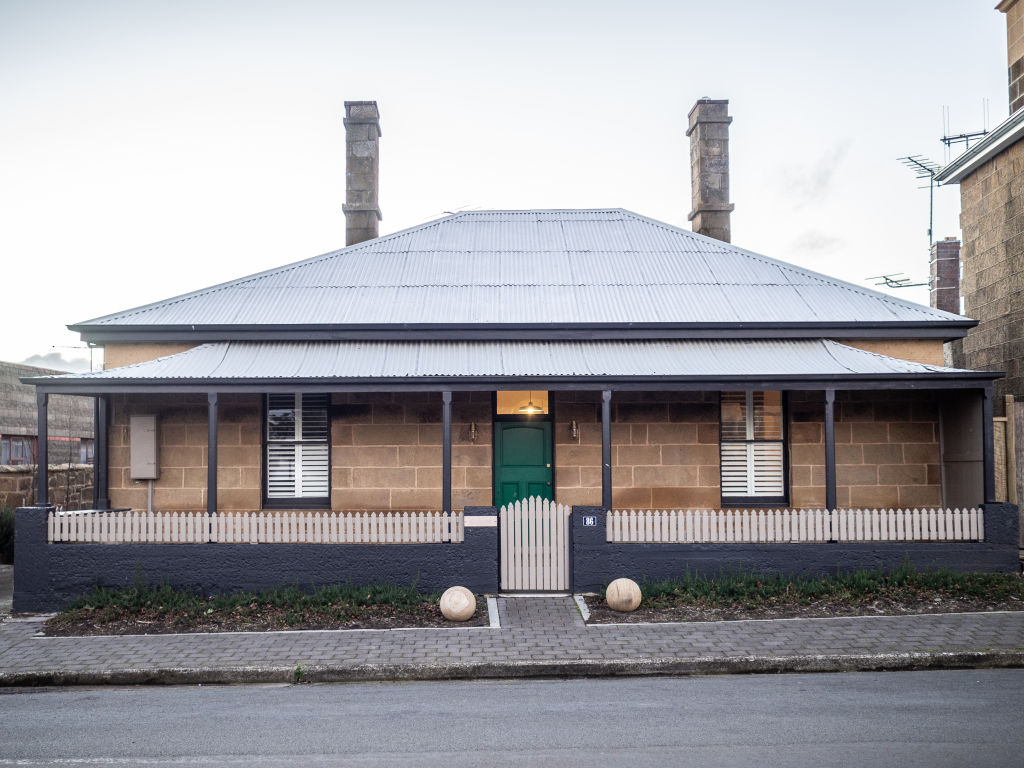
x=362, y=113
x=707, y=110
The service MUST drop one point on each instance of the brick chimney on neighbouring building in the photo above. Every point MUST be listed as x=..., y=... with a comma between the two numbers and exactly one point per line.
x=944, y=275
x=709, y=168
x=362, y=171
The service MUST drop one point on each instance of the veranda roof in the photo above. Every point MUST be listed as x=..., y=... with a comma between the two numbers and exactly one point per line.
x=267, y=364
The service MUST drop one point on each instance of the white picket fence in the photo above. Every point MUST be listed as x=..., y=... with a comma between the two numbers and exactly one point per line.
x=795, y=525
x=534, y=545
x=267, y=527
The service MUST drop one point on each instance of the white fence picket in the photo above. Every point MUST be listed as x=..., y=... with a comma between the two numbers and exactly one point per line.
x=794, y=525
x=311, y=527
x=535, y=544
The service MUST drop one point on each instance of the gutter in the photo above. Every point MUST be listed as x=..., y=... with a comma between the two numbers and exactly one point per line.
x=1003, y=136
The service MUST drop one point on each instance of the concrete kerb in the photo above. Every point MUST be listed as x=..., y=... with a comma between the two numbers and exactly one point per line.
x=526, y=669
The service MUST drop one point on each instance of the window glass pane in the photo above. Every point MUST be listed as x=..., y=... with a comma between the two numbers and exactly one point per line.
x=767, y=415
x=522, y=403
x=734, y=416
x=18, y=452
x=281, y=417
x=314, y=417
x=5, y=451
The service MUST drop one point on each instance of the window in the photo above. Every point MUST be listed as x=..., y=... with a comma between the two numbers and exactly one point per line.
x=752, y=447
x=17, y=450
x=521, y=403
x=298, y=456
x=87, y=450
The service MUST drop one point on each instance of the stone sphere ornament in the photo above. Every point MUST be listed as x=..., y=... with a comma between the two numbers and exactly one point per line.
x=623, y=595
x=458, y=604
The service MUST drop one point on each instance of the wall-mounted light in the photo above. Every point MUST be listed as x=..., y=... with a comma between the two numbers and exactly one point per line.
x=472, y=431
x=574, y=430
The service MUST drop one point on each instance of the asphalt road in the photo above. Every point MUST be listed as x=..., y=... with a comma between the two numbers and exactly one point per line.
x=907, y=719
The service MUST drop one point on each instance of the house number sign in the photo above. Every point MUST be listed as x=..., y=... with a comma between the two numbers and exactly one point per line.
x=590, y=521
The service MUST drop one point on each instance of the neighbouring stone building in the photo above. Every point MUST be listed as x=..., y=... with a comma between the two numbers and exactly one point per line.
x=991, y=179
x=70, y=442
x=70, y=421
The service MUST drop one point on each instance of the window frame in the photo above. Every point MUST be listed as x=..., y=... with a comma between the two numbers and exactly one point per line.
x=292, y=502
x=87, y=446
x=32, y=442
x=742, y=502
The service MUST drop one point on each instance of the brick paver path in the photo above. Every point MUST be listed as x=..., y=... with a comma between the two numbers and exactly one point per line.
x=534, y=630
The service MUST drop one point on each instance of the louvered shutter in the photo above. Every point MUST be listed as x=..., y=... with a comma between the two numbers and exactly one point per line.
x=298, y=432
x=752, y=447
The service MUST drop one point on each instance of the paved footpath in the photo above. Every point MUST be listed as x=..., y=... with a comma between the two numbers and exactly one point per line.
x=538, y=636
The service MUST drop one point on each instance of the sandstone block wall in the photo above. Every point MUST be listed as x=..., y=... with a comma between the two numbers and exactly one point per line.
x=386, y=450
x=664, y=449
x=1014, y=51
x=927, y=351
x=118, y=355
x=887, y=449
x=992, y=220
x=183, y=452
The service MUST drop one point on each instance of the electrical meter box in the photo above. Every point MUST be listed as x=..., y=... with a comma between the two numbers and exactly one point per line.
x=143, y=436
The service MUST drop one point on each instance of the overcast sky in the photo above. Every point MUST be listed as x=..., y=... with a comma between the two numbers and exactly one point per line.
x=152, y=148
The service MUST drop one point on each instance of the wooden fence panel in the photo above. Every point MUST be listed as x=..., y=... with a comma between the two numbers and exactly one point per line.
x=271, y=526
x=793, y=525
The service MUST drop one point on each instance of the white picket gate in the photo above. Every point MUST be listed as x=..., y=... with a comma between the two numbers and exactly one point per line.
x=535, y=545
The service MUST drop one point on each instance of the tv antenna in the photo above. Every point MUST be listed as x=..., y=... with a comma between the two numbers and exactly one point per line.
x=965, y=138
x=895, y=280
x=924, y=168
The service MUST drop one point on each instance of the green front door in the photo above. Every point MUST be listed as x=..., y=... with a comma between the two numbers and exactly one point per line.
x=522, y=461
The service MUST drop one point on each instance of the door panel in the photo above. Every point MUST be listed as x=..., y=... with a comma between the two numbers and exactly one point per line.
x=522, y=461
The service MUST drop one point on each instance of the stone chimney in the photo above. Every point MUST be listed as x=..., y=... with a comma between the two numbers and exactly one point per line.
x=362, y=171
x=944, y=275
x=709, y=168
x=1014, y=11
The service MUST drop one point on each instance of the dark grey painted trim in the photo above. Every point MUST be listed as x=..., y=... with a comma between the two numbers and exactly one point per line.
x=963, y=380
x=101, y=479
x=446, y=451
x=988, y=439
x=830, y=448
x=934, y=329
x=42, y=450
x=211, y=454
x=596, y=562
x=606, y=449
x=51, y=575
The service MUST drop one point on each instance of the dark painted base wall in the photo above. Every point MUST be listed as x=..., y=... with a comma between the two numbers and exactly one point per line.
x=48, y=576
x=596, y=562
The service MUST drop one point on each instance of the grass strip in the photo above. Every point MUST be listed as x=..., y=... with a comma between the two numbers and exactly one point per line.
x=339, y=602
x=731, y=589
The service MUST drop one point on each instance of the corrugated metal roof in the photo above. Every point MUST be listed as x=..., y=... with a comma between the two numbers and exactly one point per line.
x=339, y=360
x=538, y=267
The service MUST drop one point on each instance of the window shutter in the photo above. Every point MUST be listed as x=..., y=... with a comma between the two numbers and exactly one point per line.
x=735, y=470
x=768, y=463
x=298, y=434
x=752, y=447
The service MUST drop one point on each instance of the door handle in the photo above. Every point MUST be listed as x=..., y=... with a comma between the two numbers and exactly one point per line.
x=549, y=482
